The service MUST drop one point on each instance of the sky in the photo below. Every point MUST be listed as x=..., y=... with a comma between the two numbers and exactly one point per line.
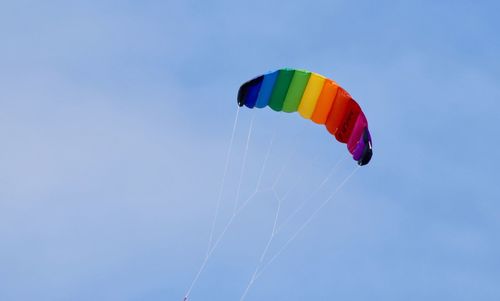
x=115, y=123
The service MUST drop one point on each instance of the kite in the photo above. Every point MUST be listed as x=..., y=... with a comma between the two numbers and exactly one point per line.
x=314, y=97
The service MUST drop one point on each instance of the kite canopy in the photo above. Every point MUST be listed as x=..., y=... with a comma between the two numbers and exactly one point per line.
x=315, y=97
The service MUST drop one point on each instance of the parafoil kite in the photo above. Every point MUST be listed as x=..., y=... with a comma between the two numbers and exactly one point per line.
x=315, y=97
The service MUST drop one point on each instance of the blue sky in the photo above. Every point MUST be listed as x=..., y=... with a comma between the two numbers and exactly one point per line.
x=115, y=117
